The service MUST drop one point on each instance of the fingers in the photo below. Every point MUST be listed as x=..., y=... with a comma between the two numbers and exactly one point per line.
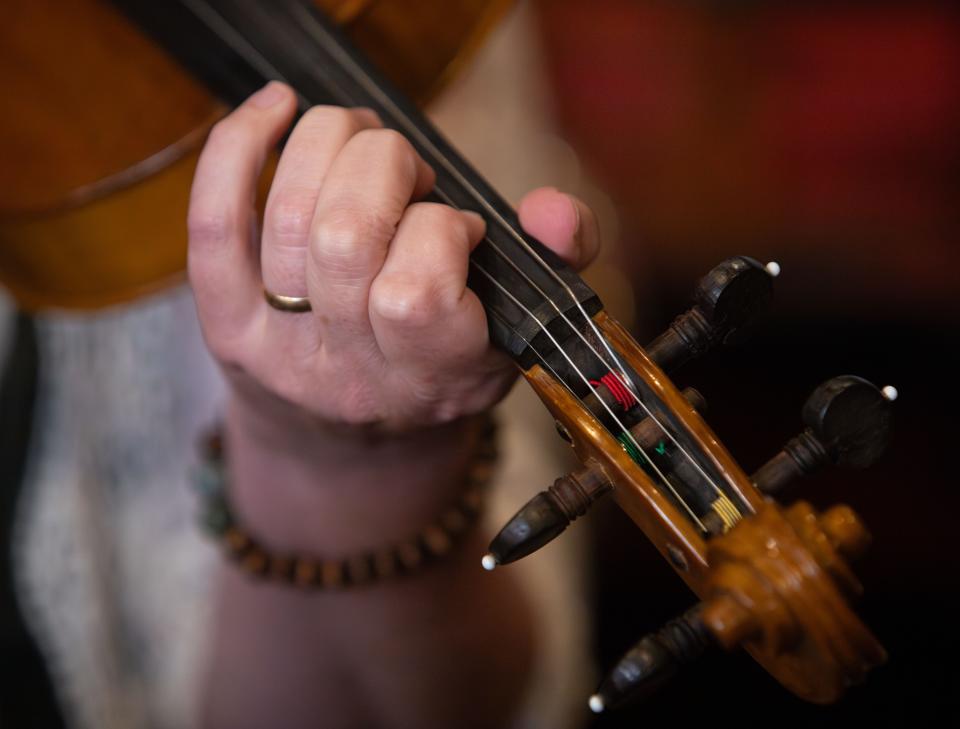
x=423, y=315
x=221, y=220
x=315, y=142
x=365, y=193
x=562, y=223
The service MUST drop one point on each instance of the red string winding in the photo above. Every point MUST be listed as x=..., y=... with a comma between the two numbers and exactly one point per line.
x=620, y=393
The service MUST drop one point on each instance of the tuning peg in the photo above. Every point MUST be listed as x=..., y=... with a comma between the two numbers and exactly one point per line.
x=653, y=661
x=726, y=300
x=550, y=512
x=849, y=423
x=547, y=515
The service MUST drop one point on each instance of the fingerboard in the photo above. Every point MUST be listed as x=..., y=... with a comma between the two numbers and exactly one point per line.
x=235, y=46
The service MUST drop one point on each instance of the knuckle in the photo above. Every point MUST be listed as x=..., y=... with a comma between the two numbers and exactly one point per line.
x=390, y=146
x=289, y=214
x=367, y=116
x=404, y=301
x=331, y=119
x=358, y=404
x=345, y=231
x=227, y=132
x=225, y=350
x=338, y=232
x=441, y=219
x=435, y=398
x=208, y=224
x=286, y=383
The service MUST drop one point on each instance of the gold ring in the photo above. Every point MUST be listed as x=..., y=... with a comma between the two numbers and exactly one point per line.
x=295, y=304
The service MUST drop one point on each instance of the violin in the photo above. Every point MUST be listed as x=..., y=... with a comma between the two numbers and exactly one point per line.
x=774, y=580
x=84, y=166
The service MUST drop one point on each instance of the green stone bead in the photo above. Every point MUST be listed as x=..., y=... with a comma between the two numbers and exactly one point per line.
x=216, y=517
x=208, y=479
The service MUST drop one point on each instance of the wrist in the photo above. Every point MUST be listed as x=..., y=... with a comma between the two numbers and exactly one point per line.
x=333, y=492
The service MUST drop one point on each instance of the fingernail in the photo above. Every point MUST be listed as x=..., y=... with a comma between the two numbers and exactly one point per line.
x=476, y=227
x=578, y=232
x=477, y=218
x=369, y=115
x=577, y=222
x=268, y=95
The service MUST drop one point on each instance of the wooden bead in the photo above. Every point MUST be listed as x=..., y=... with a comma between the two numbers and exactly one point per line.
x=409, y=555
x=385, y=563
x=237, y=541
x=255, y=561
x=436, y=540
x=454, y=521
x=359, y=569
x=281, y=568
x=481, y=473
x=472, y=500
x=305, y=572
x=331, y=574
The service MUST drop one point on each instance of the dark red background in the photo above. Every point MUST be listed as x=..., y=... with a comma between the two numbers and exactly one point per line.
x=825, y=136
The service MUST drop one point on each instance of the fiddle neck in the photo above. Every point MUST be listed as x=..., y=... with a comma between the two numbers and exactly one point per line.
x=235, y=46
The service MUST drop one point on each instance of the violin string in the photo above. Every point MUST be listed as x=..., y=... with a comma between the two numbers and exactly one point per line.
x=683, y=451
x=223, y=29
x=545, y=362
x=216, y=22
x=235, y=40
x=360, y=76
x=586, y=381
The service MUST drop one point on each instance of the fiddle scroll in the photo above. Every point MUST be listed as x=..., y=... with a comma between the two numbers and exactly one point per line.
x=774, y=581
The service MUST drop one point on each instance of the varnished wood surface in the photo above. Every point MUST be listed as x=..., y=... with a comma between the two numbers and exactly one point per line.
x=656, y=516
x=95, y=109
x=780, y=587
x=87, y=97
x=101, y=253
x=778, y=583
x=680, y=406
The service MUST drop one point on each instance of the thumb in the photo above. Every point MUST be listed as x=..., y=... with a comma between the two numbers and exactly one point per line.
x=563, y=223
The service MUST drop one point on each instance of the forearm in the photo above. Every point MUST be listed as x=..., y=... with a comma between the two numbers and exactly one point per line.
x=394, y=336
x=449, y=645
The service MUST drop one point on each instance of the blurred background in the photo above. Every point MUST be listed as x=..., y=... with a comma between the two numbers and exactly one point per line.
x=826, y=136
x=822, y=135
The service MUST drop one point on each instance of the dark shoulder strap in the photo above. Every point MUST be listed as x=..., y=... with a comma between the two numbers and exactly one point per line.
x=26, y=694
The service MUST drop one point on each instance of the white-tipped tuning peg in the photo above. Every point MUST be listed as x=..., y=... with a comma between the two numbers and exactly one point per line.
x=773, y=268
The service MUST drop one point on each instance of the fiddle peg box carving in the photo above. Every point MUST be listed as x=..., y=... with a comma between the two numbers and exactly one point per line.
x=759, y=605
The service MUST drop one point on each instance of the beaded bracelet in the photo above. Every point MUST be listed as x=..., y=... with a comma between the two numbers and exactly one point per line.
x=305, y=571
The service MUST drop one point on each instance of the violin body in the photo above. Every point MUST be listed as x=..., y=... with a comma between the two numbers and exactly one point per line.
x=106, y=143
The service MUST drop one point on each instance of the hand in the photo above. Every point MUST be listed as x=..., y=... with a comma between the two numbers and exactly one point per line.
x=395, y=338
